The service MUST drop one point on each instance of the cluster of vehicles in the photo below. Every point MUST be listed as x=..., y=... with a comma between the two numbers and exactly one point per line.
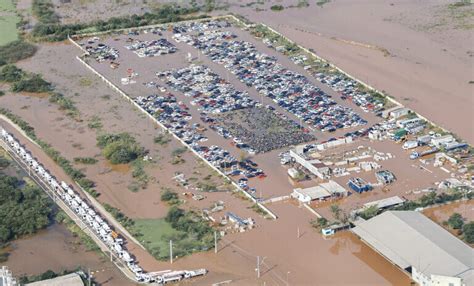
x=290, y=90
x=151, y=48
x=100, y=51
x=210, y=93
x=90, y=217
x=174, y=116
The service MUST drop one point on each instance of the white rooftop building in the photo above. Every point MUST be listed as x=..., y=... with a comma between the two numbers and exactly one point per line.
x=319, y=192
x=410, y=240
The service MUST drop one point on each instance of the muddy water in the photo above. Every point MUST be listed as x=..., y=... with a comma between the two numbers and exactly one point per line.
x=441, y=214
x=55, y=248
x=347, y=240
x=119, y=168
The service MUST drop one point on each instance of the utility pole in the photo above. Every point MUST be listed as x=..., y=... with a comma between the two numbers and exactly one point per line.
x=298, y=231
x=89, y=277
x=171, y=251
x=215, y=241
x=258, y=266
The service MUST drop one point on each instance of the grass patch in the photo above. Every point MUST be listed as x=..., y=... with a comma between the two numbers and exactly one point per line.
x=154, y=234
x=66, y=104
x=15, y=51
x=162, y=139
x=95, y=122
x=9, y=21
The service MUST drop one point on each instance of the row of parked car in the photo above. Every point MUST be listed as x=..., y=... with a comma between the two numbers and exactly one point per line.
x=151, y=48
x=100, y=51
x=89, y=216
x=291, y=90
x=210, y=93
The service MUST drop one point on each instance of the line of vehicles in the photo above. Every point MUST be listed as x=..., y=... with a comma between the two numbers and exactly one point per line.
x=95, y=222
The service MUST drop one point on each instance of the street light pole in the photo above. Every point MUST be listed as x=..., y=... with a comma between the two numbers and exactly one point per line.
x=215, y=241
x=171, y=251
x=287, y=278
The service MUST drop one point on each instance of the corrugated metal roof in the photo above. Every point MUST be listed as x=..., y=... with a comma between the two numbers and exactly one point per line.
x=409, y=238
x=72, y=279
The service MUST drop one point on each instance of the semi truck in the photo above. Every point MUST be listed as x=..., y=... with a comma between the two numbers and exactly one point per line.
x=415, y=155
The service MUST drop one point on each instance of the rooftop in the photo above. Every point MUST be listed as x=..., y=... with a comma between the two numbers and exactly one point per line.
x=408, y=238
x=72, y=279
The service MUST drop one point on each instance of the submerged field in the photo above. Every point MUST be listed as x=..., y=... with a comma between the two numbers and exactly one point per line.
x=8, y=21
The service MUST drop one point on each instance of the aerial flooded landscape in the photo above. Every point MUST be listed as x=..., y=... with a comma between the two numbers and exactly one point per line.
x=206, y=142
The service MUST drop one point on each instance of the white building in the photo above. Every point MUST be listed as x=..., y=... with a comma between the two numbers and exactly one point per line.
x=441, y=141
x=430, y=254
x=320, y=192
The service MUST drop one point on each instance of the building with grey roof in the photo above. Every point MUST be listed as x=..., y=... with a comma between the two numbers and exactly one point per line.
x=72, y=279
x=429, y=253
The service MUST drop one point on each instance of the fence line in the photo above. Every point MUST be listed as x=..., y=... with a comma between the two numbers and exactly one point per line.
x=123, y=94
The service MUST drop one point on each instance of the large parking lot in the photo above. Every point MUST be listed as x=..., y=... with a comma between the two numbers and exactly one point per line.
x=239, y=103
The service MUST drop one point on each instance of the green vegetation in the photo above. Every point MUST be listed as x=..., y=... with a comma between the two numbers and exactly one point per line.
x=24, y=209
x=319, y=223
x=10, y=74
x=119, y=216
x=49, y=29
x=369, y=212
x=468, y=232
x=86, y=240
x=456, y=221
x=140, y=176
x=32, y=83
x=162, y=139
x=321, y=3
x=95, y=122
x=277, y=8
x=2, y=93
x=302, y=3
x=85, y=160
x=170, y=197
x=43, y=10
x=4, y=162
x=119, y=148
x=15, y=51
x=65, y=104
x=179, y=151
x=75, y=174
x=154, y=234
x=465, y=230
x=194, y=233
x=9, y=21
x=22, y=81
x=434, y=198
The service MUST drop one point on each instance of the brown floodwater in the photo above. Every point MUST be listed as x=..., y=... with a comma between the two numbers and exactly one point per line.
x=56, y=249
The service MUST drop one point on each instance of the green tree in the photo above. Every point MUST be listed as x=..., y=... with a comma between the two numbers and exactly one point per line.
x=369, y=212
x=468, y=231
x=456, y=221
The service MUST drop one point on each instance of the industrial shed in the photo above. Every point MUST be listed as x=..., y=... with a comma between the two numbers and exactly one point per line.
x=419, y=246
x=72, y=279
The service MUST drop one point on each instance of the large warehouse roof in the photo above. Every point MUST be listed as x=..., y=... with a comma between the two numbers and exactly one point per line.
x=408, y=238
